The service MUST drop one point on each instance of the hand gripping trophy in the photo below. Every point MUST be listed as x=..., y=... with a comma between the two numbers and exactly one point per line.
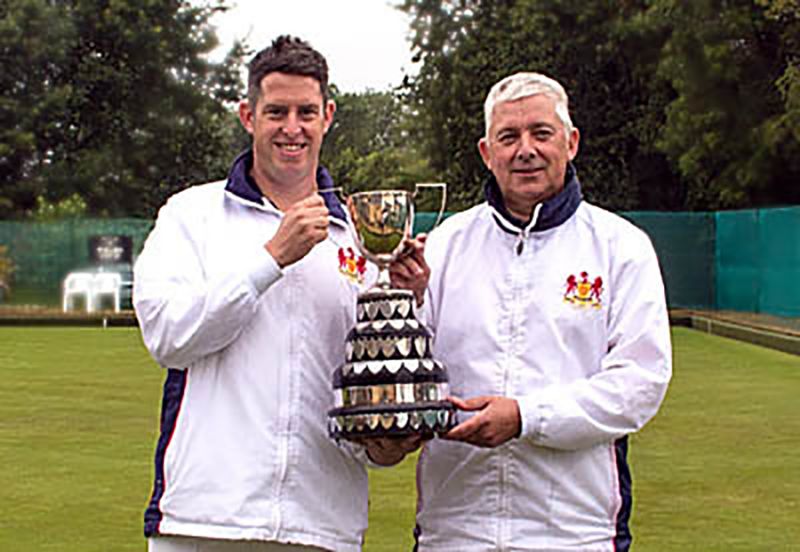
x=389, y=385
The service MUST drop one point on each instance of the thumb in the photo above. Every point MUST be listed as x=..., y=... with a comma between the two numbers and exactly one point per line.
x=475, y=403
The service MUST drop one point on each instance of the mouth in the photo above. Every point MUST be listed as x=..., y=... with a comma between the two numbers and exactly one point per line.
x=527, y=171
x=291, y=147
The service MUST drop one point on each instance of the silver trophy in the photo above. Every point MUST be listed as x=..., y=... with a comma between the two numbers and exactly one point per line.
x=389, y=384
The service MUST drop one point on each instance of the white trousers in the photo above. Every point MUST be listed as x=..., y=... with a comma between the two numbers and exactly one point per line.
x=194, y=544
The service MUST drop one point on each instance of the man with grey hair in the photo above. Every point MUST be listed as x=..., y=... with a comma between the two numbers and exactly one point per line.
x=550, y=316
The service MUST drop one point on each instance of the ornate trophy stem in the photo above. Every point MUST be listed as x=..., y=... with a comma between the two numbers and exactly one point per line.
x=384, y=281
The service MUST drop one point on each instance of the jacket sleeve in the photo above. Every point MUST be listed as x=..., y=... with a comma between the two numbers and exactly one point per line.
x=183, y=313
x=634, y=373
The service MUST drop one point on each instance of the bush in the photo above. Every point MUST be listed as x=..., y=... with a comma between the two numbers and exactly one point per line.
x=7, y=268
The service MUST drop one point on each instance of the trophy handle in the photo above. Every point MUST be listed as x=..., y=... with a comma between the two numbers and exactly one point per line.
x=443, y=187
x=338, y=190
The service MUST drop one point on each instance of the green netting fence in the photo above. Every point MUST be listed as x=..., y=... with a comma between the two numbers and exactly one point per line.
x=729, y=260
x=45, y=252
x=726, y=260
x=758, y=261
x=685, y=243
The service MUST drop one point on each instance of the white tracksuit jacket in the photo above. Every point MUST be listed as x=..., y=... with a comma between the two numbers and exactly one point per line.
x=523, y=314
x=244, y=451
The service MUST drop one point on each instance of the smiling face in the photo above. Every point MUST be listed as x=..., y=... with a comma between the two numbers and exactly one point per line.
x=527, y=148
x=287, y=125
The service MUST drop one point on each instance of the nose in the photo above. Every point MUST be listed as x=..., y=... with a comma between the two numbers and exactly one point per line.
x=527, y=148
x=291, y=125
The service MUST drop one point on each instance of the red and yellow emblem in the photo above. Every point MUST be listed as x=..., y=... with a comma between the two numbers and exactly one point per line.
x=352, y=266
x=584, y=291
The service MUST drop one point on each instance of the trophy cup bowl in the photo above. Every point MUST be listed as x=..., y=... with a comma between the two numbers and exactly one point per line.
x=389, y=384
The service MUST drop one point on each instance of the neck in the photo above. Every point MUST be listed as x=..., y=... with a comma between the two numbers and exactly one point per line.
x=285, y=194
x=524, y=215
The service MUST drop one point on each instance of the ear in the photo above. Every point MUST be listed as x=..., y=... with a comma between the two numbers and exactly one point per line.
x=483, y=148
x=246, y=116
x=574, y=141
x=330, y=109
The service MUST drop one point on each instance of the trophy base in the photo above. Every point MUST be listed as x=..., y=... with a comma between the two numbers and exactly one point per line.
x=427, y=419
x=389, y=385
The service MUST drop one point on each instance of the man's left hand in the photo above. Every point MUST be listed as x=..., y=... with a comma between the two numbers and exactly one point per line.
x=497, y=421
x=388, y=451
x=410, y=271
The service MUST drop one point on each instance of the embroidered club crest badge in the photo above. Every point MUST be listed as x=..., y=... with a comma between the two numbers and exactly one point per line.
x=584, y=291
x=352, y=266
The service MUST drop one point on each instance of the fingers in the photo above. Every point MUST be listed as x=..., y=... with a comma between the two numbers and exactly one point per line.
x=388, y=451
x=411, y=443
x=469, y=431
x=304, y=225
x=410, y=271
x=311, y=211
x=497, y=421
x=475, y=403
x=407, y=270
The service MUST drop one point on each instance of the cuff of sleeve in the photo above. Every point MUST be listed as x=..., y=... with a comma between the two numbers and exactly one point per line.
x=421, y=311
x=264, y=271
x=534, y=415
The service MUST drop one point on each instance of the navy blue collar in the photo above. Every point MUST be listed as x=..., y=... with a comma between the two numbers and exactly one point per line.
x=554, y=211
x=242, y=185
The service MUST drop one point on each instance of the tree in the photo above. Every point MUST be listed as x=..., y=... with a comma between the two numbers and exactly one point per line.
x=731, y=128
x=367, y=146
x=682, y=105
x=782, y=133
x=466, y=46
x=127, y=109
x=35, y=40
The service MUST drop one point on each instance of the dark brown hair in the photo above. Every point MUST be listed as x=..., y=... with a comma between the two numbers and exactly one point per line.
x=290, y=55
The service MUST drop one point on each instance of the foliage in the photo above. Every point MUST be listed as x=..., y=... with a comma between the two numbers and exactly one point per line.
x=367, y=146
x=34, y=92
x=465, y=47
x=71, y=207
x=7, y=269
x=112, y=100
x=731, y=129
x=681, y=104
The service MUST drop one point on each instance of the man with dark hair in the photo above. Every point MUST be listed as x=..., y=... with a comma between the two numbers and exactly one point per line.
x=240, y=295
x=287, y=55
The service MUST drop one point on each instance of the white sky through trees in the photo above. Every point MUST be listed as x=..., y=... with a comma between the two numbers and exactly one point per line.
x=364, y=41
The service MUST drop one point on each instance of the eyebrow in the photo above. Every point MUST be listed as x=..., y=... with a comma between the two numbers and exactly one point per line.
x=281, y=105
x=515, y=128
x=503, y=130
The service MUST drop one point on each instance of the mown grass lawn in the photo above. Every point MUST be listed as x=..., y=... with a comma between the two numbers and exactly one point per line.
x=717, y=470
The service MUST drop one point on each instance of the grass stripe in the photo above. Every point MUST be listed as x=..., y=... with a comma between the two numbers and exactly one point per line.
x=715, y=470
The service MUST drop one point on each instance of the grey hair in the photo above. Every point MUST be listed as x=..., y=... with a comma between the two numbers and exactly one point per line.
x=523, y=85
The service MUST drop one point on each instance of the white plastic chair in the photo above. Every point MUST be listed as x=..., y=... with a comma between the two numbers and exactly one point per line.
x=79, y=284
x=106, y=283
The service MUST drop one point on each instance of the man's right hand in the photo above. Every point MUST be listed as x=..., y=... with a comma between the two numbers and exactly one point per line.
x=304, y=225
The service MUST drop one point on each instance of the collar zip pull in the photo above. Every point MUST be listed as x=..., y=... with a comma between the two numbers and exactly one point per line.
x=521, y=242
x=525, y=232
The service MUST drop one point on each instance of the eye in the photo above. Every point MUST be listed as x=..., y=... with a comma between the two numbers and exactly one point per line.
x=507, y=138
x=542, y=134
x=308, y=112
x=274, y=112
